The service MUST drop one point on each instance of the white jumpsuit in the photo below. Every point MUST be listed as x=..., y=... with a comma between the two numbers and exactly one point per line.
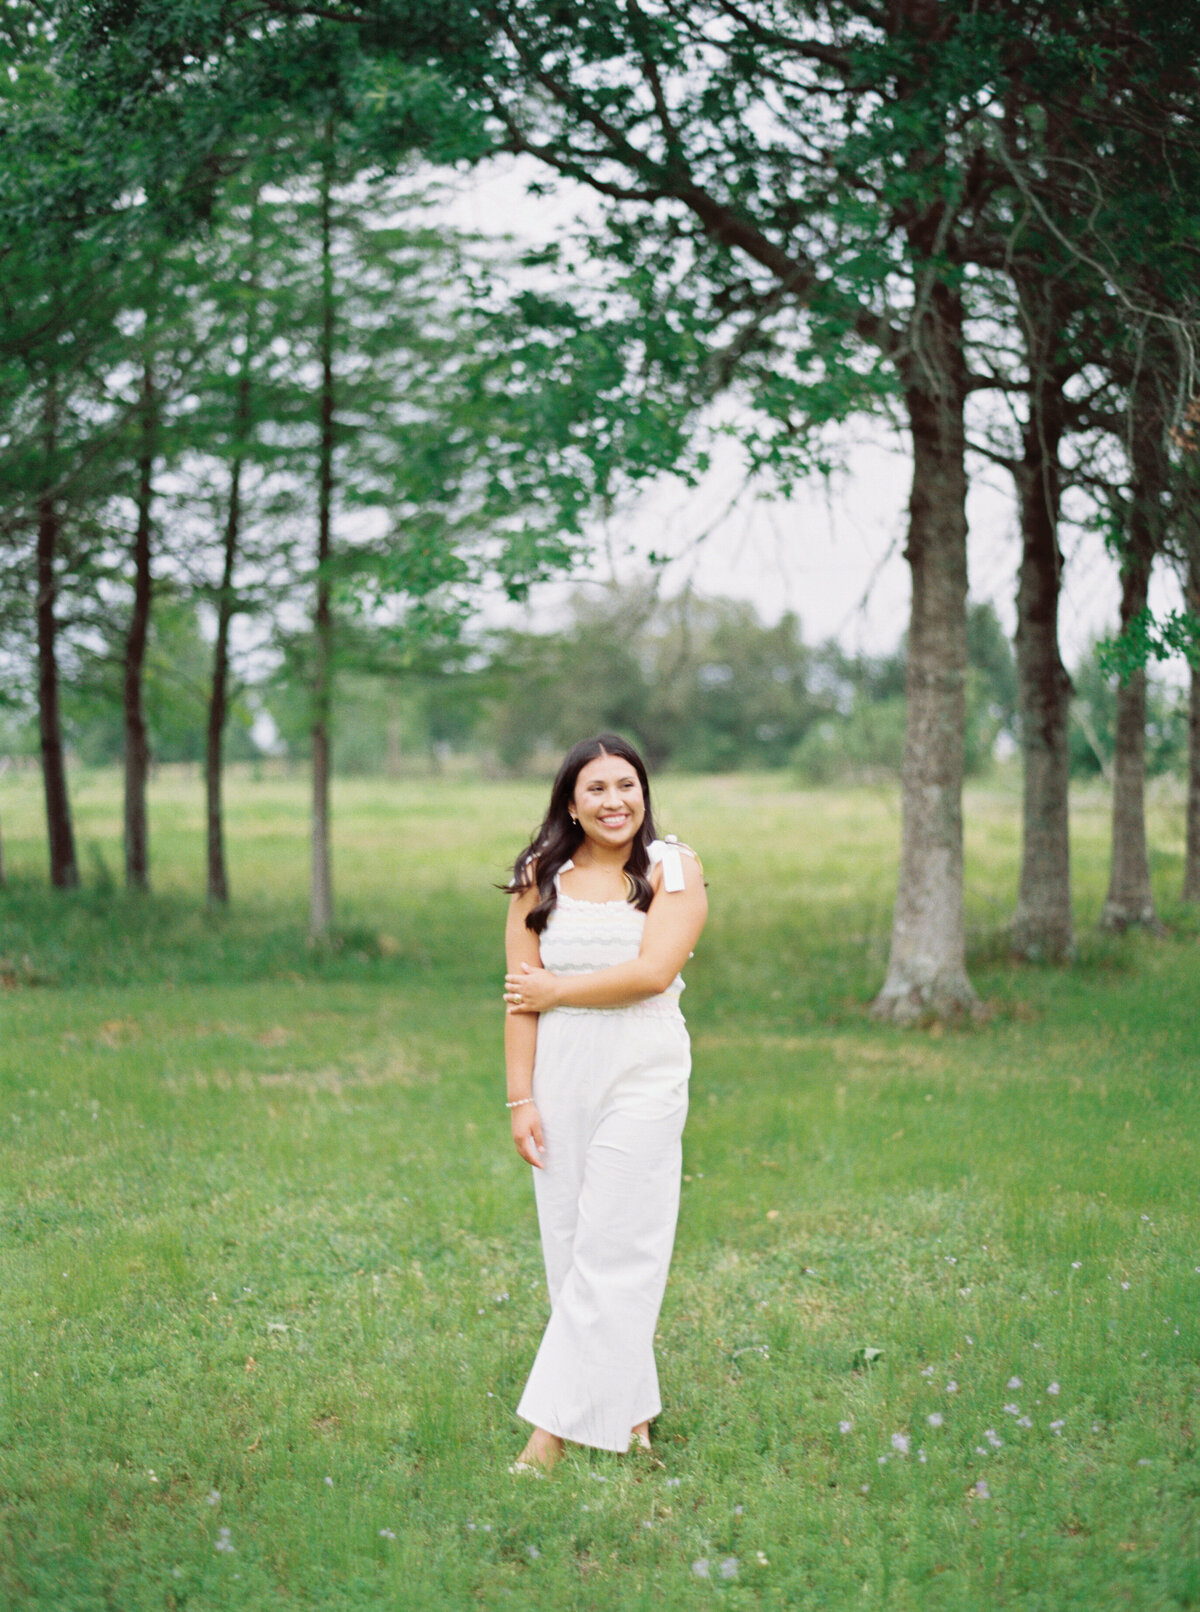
x=611, y=1086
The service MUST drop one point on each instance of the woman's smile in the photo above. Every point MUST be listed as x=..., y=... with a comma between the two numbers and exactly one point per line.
x=608, y=802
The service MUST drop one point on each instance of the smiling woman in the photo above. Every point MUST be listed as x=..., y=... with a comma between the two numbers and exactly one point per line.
x=603, y=916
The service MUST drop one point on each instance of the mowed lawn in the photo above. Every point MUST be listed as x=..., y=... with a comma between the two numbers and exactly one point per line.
x=270, y=1272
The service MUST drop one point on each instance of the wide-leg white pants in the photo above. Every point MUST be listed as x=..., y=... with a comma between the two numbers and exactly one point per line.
x=611, y=1087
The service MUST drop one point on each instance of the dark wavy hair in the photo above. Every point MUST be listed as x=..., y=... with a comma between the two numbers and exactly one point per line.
x=559, y=837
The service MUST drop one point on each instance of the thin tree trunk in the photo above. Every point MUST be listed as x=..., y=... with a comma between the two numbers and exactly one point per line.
x=137, y=747
x=218, y=704
x=64, y=869
x=1191, y=855
x=1130, y=897
x=1042, y=926
x=321, y=903
x=927, y=967
x=218, y=881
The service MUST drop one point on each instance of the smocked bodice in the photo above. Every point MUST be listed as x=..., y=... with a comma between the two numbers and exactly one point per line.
x=582, y=936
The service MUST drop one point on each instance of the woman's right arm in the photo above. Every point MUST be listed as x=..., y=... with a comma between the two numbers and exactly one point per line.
x=520, y=1032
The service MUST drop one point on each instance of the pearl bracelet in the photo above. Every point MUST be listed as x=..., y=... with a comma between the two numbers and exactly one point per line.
x=518, y=1102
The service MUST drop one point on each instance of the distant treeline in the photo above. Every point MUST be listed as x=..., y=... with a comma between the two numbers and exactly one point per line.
x=702, y=684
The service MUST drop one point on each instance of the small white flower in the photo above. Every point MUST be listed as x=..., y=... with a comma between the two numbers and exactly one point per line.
x=882, y=1459
x=866, y=1489
x=952, y=1388
x=844, y=1427
x=673, y=1483
x=328, y=1481
x=950, y=1260
x=597, y=1477
x=1012, y=1410
x=213, y=1497
x=1053, y=1388
x=1076, y=1264
x=1125, y=1285
x=739, y=1511
x=728, y=1567
x=700, y=1568
x=224, y=1541
x=761, y=1559
x=386, y=1533
x=993, y=1438
x=1057, y=1427
x=1013, y=1382
x=921, y=1457
x=532, y=1552
x=935, y=1418
x=900, y=1443
x=1145, y=1461
x=982, y=1492
x=927, y=1371
x=969, y=1339
x=1024, y=1421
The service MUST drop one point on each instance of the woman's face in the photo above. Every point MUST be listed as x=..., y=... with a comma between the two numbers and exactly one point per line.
x=608, y=801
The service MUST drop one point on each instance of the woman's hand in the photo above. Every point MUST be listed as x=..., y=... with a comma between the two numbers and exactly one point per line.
x=532, y=990
x=527, y=1133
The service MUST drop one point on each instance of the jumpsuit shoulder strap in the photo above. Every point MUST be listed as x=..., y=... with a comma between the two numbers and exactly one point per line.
x=668, y=853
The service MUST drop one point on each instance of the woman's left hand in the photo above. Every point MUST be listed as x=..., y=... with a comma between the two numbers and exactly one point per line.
x=533, y=990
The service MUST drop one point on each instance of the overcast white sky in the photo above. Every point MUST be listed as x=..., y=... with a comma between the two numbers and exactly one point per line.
x=833, y=553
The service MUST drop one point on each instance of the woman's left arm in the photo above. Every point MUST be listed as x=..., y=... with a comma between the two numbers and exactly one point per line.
x=673, y=924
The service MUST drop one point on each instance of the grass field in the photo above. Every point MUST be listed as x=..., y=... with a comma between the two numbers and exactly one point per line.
x=270, y=1270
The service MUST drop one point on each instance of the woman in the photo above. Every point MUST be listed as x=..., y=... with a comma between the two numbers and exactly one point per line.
x=603, y=917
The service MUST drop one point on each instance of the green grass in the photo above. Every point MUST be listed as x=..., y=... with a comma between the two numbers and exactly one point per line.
x=263, y=1236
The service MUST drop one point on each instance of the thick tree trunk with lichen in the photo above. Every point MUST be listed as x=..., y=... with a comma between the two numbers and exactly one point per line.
x=927, y=966
x=1042, y=926
x=1130, y=898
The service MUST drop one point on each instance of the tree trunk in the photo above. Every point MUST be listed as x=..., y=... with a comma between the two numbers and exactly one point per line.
x=321, y=902
x=1042, y=926
x=137, y=748
x=64, y=869
x=927, y=967
x=1191, y=855
x=218, y=881
x=218, y=704
x=1130, y=898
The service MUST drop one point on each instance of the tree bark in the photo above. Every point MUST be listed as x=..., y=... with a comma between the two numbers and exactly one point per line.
x=1042, y=927
x=137, y=747
x=321, y=899
x=218, y=880
x=218, y=704
x=927, y=967
x=1191, y=855
x=64, y=869
x=1130, y=897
